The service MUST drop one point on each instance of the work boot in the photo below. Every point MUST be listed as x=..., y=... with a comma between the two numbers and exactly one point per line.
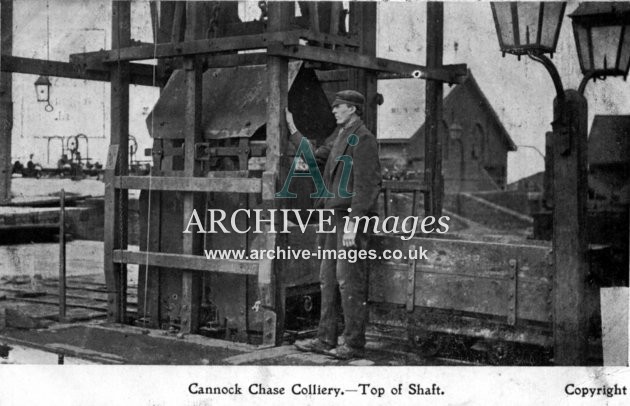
x=313, y=345
x=345, y=352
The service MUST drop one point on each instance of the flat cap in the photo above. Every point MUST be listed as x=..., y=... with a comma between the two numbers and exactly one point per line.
x=350, y=97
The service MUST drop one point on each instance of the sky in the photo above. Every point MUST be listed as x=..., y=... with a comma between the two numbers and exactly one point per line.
x=521, y=92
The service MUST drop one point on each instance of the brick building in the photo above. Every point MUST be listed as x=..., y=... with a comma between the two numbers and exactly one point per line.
x=474, y=154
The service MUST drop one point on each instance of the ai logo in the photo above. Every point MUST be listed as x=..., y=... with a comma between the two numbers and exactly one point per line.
x=304, y=150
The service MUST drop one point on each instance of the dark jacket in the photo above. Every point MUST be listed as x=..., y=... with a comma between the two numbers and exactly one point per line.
x=365, y=178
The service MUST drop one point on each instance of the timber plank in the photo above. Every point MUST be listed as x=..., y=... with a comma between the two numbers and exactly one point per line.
x=186, y=261
x=343, y=58
x=280, y=15
x=475, y=258
x=467, y=276
x=191, y=242
x=116, y=201
x=190, y=184
x=434, y=94
x=393, y=322
x=140, y=74
x=189, y=47
x=464, y=293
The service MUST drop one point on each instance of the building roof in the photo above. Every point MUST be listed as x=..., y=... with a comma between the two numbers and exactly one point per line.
x=472, y=84
x=609, y=140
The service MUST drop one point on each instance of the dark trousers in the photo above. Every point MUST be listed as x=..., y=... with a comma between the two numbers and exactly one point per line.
x=351, y=279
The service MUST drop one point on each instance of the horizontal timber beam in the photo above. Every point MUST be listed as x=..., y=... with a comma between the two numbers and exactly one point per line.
x=402, y=185
x=188, y=262
x=188, y=48
x=447, y=73
x=342, y=58
x=207, y=46
x=140, y=74
x=196, y=184
x=228, y=61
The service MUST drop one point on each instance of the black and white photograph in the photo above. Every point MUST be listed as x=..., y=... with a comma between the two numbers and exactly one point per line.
x=415, y=195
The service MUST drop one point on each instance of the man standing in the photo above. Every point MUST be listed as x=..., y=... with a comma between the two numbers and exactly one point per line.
x=350, y=139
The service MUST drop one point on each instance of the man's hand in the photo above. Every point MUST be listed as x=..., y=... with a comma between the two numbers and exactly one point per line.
x=290, y=123
x=349, y=239
x=349, y=235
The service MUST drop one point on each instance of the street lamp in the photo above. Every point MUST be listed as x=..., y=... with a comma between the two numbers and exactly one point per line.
x=602, y=35
x=42, y=90
x=525, y=27
x=602, y=38
x=532, y=29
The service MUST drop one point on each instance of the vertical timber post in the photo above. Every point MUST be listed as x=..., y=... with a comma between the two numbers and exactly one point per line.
x=6, y=102
x=363, y=20
x=116, y=200
x=191, y=282
x=570, y=242
x=433, y=111
x=149, y=276
x=280, y=14
x=192, y=243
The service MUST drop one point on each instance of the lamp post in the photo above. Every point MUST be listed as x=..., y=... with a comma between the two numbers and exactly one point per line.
x=532, y=29
x=602, y=36
x=602, y=39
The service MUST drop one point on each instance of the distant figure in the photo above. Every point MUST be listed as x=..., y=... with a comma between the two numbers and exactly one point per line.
x=17, y=167
x=30, y=166
x=63, y=162
x=31, y=170
x=63, y=166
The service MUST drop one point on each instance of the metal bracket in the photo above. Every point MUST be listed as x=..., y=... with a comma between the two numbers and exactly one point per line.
x=112, y=158
x=512, y=291
x=204, y=151
x=411, y=282
x=161, y=151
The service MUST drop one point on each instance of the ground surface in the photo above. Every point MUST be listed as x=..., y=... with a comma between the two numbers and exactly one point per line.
x=31, y=187
x=103, y=343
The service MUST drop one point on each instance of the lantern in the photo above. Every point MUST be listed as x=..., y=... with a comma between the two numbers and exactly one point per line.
x=524, y=27
x=42, y=88
x=602, y=38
